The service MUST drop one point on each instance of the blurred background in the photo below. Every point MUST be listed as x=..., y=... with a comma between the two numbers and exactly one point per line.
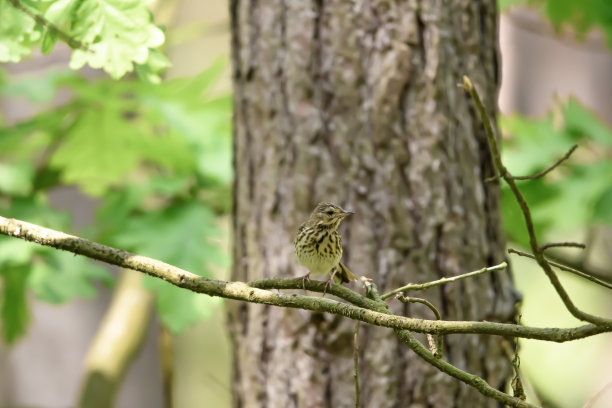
x=156, y=170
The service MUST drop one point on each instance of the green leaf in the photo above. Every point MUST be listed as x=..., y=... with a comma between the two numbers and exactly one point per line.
x=55, y=276
x=36, y=210
x=16, y=178
x=36, y=88
x=48, y=42
x=182, y=106
x=535, y=144
x=117, y=33
x=537, y=194
x=581, y=122
x=14, y=309
x=180, y=236
x=120, y=204
x=150, y=71
x=100, y=149
x=580, y=15
x=61, y=276
x=15, y=251
x=505, y=5
x=579, y=194
x=603, y=208
x=17, y=33
x=179, y=308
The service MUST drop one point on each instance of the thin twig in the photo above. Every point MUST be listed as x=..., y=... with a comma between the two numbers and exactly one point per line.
x=563, y=244
x=408, y=299
x=470, y=379
x=72, y=42
x=356, y=362
x=436, y=346
x=533, y=241
x=426, y=285
x=591, y=270
x=550, y=168
x=492, y=178
x=565, y=268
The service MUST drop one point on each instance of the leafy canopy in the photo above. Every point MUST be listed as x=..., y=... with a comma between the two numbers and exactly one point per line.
x=114, y=35
x=155, y=157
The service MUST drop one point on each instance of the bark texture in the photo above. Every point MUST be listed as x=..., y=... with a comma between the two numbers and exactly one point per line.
x=356, y=102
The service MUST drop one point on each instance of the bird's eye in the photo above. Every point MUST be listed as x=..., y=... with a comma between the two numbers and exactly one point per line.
x=330, y=212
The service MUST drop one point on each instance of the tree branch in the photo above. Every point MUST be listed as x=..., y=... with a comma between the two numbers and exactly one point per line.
x=436, y=346
x=422, y=286
x=565, y=268
x=563, y=244
x=550, y=168
x=242, y=291
x=533, y=242
x=475, y=381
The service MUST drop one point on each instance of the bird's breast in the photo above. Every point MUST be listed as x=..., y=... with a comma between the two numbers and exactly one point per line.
x=322, y=252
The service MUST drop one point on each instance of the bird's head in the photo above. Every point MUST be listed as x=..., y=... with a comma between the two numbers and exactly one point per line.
x=328, y=215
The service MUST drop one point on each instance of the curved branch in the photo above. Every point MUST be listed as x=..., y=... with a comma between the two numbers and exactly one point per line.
x=473, y=380
x=242, y=291
x=533, y=242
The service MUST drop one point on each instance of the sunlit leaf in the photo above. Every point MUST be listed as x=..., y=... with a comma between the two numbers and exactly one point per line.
x=18, y=33
x=98, y=151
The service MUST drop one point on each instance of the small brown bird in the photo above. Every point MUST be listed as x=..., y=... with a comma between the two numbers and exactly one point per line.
x=318, y=245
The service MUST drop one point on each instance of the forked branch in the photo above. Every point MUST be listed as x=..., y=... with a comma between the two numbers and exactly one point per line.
x=538, y=252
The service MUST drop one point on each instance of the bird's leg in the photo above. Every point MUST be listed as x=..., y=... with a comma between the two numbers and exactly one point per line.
x=304, y=279
x=330, y=281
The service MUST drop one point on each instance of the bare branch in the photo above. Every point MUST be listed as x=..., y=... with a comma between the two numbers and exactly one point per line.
x=550, y=168
x=422, y=286
x=473, y=380
x=533, y=242
x=242, y=291
x=565, y=268
x=408, y=299
x=437, y=346
x=563, y=244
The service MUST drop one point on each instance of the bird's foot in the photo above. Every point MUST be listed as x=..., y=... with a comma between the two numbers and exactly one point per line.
x=304, y=279
x=329, y=282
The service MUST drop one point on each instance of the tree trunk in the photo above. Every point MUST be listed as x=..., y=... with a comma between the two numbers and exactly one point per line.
x=357, y=103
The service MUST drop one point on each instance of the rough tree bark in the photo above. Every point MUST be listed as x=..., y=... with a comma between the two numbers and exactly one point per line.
x=356, y=102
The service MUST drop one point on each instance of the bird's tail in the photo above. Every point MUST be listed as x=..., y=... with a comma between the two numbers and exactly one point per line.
x=344, y=275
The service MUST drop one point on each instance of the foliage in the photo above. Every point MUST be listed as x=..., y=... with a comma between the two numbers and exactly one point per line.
x=156, y=157
x=113, y=35
x=579, y=193
x=580, y=15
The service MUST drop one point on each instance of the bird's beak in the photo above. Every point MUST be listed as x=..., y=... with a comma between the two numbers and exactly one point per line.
x=345, y=213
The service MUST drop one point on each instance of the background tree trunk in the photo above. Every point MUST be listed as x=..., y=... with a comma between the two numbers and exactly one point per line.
x=356, y=103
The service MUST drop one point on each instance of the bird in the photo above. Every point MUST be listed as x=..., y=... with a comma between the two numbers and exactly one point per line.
x=318, y=245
